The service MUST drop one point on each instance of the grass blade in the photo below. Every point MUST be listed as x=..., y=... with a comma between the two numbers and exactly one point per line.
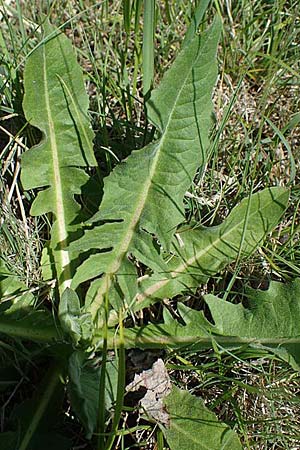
x=148, y=46
x=195, y=22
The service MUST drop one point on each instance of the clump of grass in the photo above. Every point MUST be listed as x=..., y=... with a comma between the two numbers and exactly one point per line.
x=20, y=237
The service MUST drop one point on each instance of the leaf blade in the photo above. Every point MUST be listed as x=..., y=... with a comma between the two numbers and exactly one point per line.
x=270, y=322
x=272, y=318
x=55, y=102
x=194, y=427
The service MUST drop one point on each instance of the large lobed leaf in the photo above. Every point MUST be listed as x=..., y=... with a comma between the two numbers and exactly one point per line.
x=201, y=252
x=145, y=193
x=55, y=101
x=270, y=321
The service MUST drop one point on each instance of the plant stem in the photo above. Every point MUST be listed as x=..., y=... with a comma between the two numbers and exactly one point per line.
x=101, y=416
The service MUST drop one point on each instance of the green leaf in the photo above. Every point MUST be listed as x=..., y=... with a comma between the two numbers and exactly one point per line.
x=195, y=330
x=47, y=268
x=55, y=102
x=69, y=314
x=270, y=322
x=194, y=427
x=196, y=20
x=30, y=324
x=151, y=183
x=271, y=319
x=199, y=253
x=83, y=389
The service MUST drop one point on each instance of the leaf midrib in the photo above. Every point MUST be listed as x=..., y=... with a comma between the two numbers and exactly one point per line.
x=63, y=255
x=161, y=340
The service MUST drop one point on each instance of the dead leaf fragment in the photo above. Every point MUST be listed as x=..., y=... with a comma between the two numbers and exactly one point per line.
x=157, y=382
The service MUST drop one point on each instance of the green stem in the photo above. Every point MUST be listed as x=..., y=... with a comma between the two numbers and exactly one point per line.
x=120, y=388
x=101, y=415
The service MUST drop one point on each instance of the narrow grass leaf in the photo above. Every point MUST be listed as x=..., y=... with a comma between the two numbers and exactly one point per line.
x=148, y=45
x=195, y=22
x=287, y=146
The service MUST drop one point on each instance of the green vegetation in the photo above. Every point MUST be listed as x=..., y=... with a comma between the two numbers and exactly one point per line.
x=149, y=230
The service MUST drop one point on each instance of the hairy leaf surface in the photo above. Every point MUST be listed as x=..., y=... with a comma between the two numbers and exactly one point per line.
x=199, y=253
x=55, y=102
x=146, y=191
